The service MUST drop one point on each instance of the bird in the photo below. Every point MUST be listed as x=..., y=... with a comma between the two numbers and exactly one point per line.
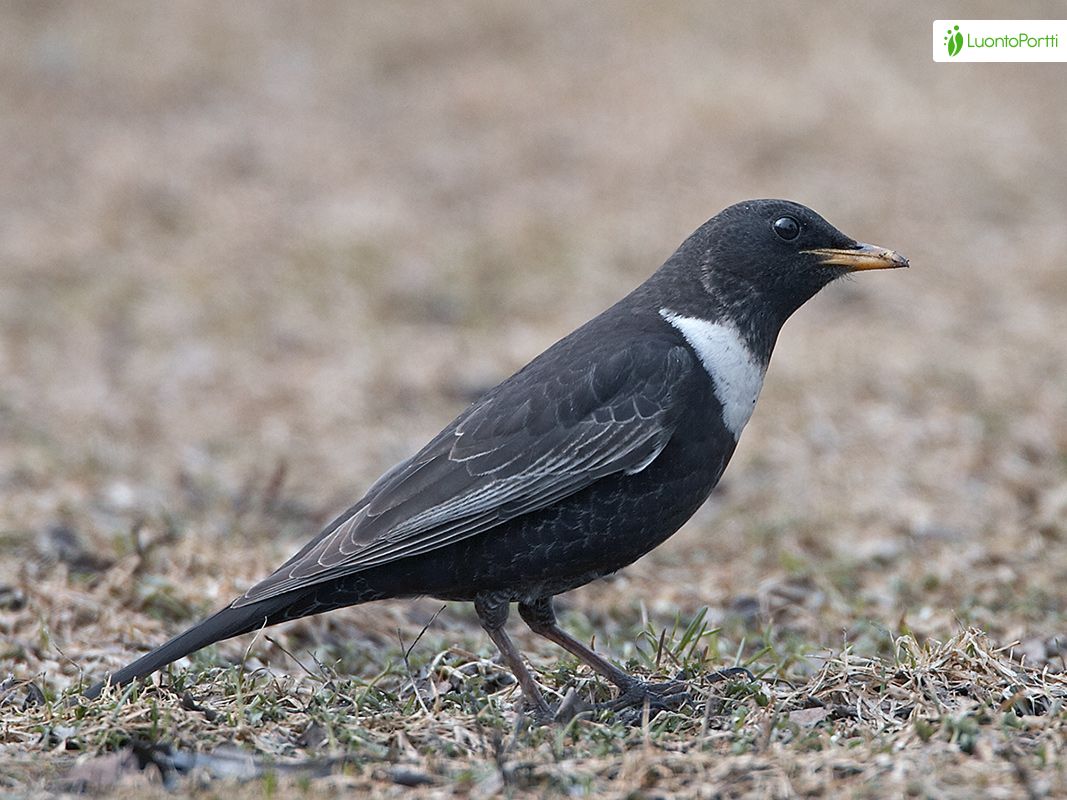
x=578, y=464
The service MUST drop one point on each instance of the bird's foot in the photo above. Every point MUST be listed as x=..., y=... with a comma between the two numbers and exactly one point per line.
x=636, y=693
x=670, y=695
x=537, y=711
x=730, y=673
x=570, y=707
x=541, y=713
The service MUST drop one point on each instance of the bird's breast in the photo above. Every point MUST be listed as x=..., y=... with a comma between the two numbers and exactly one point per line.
x=736, y=373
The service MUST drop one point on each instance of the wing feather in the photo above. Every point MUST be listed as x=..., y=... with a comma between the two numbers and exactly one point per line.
x=533, y=440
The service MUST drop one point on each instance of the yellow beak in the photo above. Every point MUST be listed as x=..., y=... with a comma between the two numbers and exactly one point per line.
x=863, y=256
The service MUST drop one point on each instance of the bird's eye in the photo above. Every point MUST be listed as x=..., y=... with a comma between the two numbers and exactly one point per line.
x=787, y=228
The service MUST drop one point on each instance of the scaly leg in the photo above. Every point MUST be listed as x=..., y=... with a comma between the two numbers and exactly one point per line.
x=541, y=618
x=493, y=614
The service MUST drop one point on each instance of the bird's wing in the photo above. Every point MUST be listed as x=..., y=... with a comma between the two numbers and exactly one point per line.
x=536, y=438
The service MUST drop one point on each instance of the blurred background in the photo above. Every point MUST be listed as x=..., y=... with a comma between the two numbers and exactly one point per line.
x=253, y=254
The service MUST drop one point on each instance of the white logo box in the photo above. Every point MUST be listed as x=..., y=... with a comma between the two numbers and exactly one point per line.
x=1033, y=40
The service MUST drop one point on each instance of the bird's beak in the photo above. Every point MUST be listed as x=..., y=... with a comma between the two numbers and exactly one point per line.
x=862, y=256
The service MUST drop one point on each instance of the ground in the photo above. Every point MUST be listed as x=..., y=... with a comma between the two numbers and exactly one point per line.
x=251, y=255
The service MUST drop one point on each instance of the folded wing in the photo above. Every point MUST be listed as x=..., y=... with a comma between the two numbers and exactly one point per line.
x=538, y=437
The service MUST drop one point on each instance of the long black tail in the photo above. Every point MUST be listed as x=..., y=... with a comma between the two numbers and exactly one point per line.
x=228, y=622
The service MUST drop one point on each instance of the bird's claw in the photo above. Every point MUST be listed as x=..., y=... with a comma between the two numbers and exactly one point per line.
x=635, y=696
x=570, y=707
x=541, y=713
x=658, y=696
x=730, y=673
x=667, y=696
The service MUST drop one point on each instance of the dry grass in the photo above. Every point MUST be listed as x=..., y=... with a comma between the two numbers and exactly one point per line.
x=930, y=717
x=252, y=255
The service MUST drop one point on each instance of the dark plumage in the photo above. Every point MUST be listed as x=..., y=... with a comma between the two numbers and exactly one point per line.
x=578, y=464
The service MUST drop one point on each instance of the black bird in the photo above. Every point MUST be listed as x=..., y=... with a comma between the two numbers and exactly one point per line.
x=578, y=464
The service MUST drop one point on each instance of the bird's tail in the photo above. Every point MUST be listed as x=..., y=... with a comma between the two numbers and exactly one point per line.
x=223, y=624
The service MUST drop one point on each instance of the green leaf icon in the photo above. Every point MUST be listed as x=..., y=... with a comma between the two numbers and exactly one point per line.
x=954, y=41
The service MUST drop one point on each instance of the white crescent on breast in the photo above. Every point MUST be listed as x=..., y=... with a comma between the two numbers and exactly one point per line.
x=736, y=374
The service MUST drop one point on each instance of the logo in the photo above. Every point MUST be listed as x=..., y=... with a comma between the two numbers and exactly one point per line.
x=967, y=40
x=954, y=40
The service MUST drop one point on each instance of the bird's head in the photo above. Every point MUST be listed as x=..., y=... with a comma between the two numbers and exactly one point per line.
x=779, y=254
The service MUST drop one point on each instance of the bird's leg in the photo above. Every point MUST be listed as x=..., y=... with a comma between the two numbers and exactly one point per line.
x=493, y=614
x=541, y=618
